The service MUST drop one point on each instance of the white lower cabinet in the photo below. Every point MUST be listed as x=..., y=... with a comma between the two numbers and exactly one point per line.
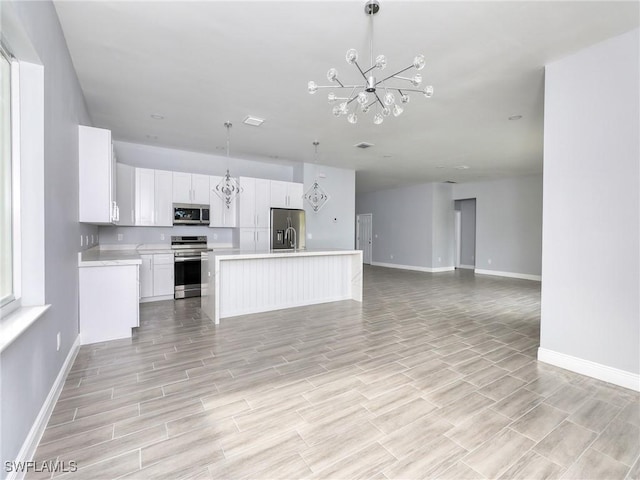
x=156, y=277
x=255, y=239
x=163, y=275
x=108, y=306
x=146, y=276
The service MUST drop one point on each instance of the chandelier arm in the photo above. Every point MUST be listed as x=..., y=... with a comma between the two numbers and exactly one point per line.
x=378, y=98
x=363, y=73
x=339, y=82
x=369, y=69
x=392, y=76
x=342, y=86
x=407, y=90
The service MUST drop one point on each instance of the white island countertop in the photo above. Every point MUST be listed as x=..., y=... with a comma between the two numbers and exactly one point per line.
x=237, y=254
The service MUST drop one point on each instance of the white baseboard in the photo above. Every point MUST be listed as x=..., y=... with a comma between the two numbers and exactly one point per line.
x=414, y=268
x=30, y=444
x=467, y=267
x=524, y=276
x=616, y=376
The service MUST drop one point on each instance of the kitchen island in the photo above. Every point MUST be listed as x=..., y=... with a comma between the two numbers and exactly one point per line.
x=240, y=282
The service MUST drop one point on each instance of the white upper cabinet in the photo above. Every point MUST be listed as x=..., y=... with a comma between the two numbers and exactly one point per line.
x=125, y=194
x=220, y=214
x=254, y=203
x=97, y=202
x=286, y=194
x=163, y=198
x=190, y=188
x=145, y=196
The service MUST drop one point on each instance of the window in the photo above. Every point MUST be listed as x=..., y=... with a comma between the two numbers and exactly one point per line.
x=7, y=290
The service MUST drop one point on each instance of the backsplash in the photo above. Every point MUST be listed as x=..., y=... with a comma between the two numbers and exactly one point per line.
x=109, y=235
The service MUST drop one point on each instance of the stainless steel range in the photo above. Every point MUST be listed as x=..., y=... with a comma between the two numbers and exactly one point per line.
x=187, y=265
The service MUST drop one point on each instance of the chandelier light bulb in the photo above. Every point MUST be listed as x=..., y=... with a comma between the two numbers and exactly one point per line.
x=352, y=118
x=312, y=87
x=404, y=98
x=397, y=110
x=378, y=119
x=419, y=62
x=389, y=98
x=331, y=97
x=381, y=62
x=363, y=98
x=428, y=91
x=352, y=56
x=386, y=111
x=344, y=108
x=336, y=111
x=365, y=109
x=416, y=80
x=332, y=74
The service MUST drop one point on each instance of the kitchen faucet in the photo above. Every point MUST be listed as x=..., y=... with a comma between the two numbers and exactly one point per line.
x=287, y=236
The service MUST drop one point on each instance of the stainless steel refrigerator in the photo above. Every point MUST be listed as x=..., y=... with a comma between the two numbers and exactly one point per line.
x=287, y=229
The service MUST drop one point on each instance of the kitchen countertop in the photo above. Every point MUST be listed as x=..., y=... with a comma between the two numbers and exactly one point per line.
x=238, y=254
x=95, y=257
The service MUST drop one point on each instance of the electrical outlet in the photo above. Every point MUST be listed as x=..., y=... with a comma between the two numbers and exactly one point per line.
x=439, y=259
x=58, y=342
x=391, y=256
x=215, y=236
x=489, y=261
x=120, y=237
x=162, y=236
x=310, y=236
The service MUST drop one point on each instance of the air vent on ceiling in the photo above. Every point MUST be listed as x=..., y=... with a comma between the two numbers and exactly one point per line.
x=363, y=145
x=253, y=121
x=449, y=181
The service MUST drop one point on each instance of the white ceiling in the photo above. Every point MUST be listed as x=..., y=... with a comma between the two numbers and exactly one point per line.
x=201, y=63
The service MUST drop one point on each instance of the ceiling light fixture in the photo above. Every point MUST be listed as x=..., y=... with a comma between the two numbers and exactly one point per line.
x=253, y=121
x=157, y=116
x=228, y=188
x=316, y=196
x=373, y=92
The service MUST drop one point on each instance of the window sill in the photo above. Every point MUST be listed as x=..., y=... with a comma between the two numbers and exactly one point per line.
x=14, y=324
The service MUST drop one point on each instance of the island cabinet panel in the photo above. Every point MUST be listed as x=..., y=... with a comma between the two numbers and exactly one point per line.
x=239, y=284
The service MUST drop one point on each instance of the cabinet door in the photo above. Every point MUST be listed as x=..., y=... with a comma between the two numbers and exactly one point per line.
x=95, y=175
x=145, y=196
x=163, y=275
x=263, y=242
x=125, y=193
x=263, y=203
x=146, y=276
x=200, y=189
x=248, y=239
x=247, y=203
x=182, y=187
x=163, y=203
x=294, y=195
x=279, y=194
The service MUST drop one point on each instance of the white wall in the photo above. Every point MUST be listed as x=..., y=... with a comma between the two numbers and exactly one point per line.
x=334, y=225
x=590, y=263
x=508, y=224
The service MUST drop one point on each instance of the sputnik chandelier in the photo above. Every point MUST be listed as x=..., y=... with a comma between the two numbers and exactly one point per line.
x=228, y=188
x=373, y=93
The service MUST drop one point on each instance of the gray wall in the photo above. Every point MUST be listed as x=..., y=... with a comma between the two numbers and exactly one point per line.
x=30, y=365
x=508, y=223
x=334, y=225
x=402, y=224
x=468, y=231
x=443, y=228
x=591, y=262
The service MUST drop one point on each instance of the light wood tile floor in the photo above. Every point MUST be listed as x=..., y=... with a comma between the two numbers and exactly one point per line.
x=433, y=376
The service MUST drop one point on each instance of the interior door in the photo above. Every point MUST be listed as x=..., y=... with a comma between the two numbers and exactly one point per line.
x=364, y=241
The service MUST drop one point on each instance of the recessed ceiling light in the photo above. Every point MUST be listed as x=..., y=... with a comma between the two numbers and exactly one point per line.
x=253, y=121
x=462, y=167
x=152, y=137
x=387, y=156
x=440, y=166
x=157, y=116
x=363, y=145
x=515, y=117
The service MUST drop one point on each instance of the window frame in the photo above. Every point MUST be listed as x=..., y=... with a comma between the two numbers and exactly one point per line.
x=13, y=301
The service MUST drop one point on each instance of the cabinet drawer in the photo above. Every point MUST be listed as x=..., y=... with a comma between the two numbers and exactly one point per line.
x=163, y=259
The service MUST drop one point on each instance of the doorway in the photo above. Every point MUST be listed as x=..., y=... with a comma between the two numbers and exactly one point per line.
x=364, y=236
x=465, y=233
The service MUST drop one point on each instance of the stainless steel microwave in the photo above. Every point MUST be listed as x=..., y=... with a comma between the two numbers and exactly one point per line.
x=188, y=214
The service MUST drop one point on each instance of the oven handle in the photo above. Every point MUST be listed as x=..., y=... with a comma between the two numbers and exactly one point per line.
x=187, y=259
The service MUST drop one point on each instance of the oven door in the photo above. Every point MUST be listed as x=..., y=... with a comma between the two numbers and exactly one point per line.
x=187, y=274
